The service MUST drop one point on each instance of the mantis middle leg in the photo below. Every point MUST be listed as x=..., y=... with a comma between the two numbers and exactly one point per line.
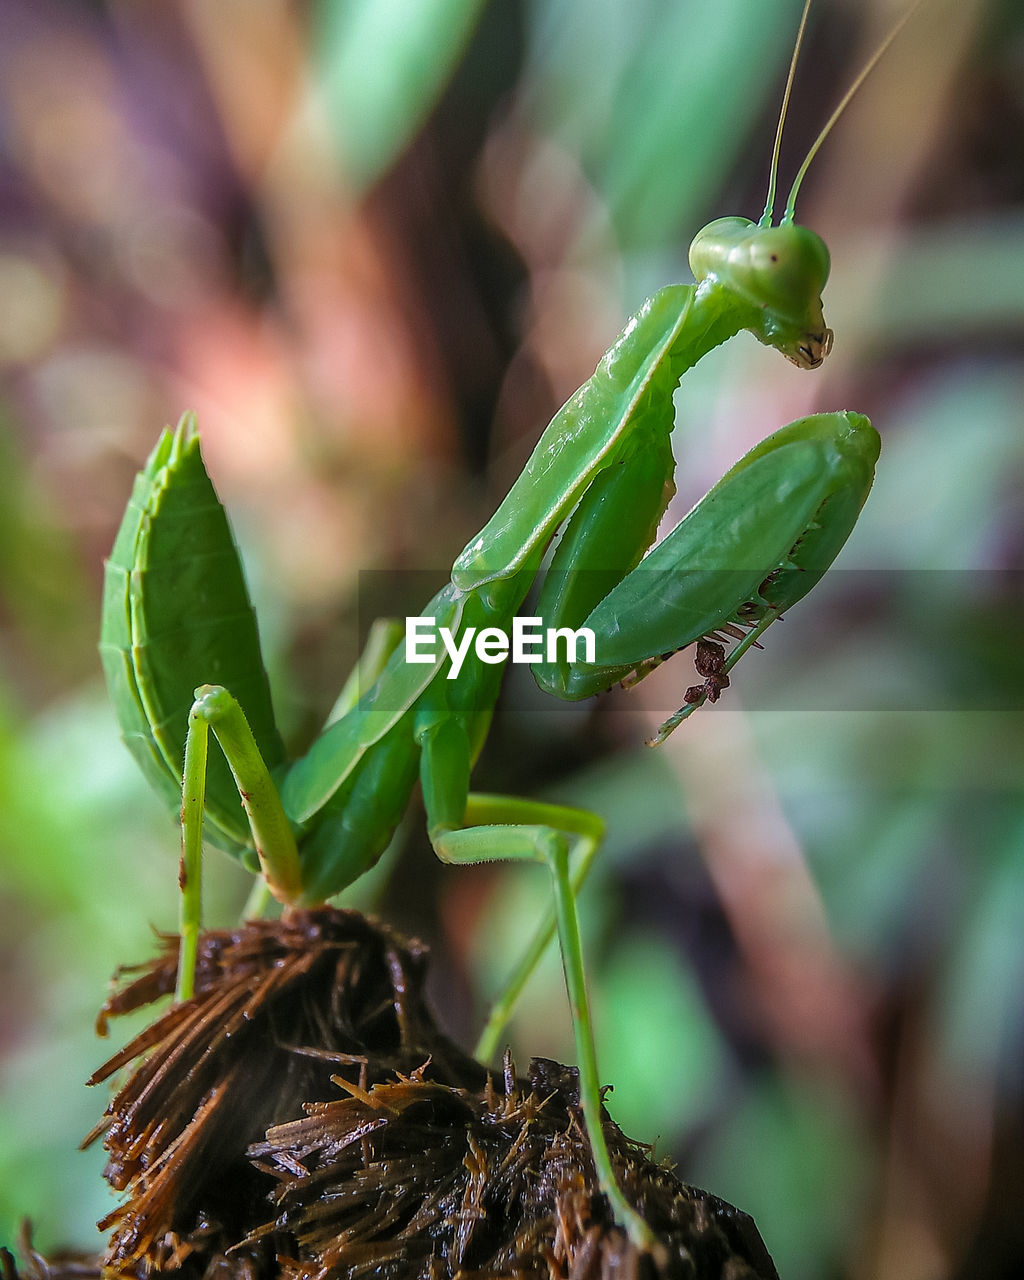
x=467, y=828
x=500, y=828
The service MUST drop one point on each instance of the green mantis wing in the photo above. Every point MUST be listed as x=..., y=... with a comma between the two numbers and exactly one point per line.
x=311, y=781
x=177, y=614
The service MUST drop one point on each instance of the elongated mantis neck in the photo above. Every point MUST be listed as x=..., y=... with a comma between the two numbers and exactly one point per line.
x=670, y=333
x=716, y=314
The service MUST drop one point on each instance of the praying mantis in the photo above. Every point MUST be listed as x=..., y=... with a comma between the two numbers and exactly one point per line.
x=181, y=653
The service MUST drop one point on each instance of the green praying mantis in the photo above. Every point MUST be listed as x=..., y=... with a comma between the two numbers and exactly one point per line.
x=181, y=651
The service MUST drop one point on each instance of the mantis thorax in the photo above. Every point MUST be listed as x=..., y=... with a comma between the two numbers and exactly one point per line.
x=779, y=270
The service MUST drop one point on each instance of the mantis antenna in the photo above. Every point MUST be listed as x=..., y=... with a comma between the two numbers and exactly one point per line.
x=769, y=204
x=788, y=216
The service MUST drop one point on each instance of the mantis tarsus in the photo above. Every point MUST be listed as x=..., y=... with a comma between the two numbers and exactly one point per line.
x=177, y=616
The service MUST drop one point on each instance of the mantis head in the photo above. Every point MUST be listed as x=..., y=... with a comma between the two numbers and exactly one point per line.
x=780, y=271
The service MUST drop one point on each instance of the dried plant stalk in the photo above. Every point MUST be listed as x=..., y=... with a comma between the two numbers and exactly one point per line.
x=302, y=1118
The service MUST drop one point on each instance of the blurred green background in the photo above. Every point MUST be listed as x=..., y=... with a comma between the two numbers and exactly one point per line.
x=374, y=244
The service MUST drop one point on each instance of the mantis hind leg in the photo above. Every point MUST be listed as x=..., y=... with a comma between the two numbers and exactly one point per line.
x=275, y=845
x=503, y=828
x=216, y=709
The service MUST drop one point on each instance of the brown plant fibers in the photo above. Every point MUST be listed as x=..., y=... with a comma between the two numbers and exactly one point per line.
x=303, y=1118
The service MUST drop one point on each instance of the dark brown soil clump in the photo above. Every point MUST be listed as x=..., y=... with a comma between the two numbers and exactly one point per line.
x=302, y=1118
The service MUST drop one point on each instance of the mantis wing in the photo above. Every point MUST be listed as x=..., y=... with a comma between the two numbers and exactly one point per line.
x=311, y=781
x=177, y=614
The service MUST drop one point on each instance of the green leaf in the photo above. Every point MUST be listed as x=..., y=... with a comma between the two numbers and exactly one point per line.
x=657, y=98
x=383, y=65
x=659, y=1045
